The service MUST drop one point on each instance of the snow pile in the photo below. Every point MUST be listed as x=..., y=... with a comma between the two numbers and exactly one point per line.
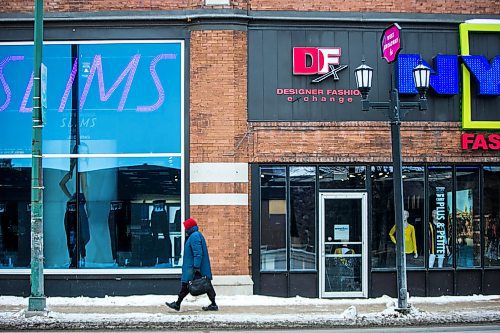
x=242, y=312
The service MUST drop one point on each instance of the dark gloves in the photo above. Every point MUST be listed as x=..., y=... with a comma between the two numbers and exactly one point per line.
x=197, y=273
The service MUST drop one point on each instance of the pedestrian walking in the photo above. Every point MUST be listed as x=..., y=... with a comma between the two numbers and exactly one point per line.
x=196, y=263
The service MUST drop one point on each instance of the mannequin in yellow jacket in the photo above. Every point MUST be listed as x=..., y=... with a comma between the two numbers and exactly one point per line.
x=410, y=240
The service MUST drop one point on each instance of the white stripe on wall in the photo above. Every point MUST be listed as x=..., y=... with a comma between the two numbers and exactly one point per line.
x=219, y=172
x=219, y=199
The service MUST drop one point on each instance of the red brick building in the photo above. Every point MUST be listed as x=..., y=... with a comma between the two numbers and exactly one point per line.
x=260, y=163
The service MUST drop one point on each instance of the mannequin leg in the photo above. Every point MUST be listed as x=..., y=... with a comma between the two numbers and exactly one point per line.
x=432, y=258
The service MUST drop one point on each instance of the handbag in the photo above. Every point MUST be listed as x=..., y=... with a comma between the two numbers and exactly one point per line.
x=199, y=286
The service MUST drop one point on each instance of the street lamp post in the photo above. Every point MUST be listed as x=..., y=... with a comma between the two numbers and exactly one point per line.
x=394, y=106
x=37, y=300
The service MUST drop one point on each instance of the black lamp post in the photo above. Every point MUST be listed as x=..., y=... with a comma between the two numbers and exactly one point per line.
x=421, y=74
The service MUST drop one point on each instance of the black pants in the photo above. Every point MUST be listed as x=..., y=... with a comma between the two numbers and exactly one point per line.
x=185, y=291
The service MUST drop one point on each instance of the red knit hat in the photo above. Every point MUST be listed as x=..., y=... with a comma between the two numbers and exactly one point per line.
x=189, y=223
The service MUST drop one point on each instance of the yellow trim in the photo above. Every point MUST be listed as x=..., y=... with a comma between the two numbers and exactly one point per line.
x=467, y=122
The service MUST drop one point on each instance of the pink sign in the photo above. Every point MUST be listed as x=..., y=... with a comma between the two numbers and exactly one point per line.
x=390, y=43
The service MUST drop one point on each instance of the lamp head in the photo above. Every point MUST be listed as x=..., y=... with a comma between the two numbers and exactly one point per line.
x=421, y=76
x=364, y=75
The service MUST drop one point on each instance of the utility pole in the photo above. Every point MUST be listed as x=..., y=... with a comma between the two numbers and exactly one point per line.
x=37, y=300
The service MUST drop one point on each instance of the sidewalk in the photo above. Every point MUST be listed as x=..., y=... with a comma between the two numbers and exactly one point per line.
x=244, y=312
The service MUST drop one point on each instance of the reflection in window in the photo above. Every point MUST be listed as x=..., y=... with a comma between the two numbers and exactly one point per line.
x=468, y=245
x=491, y=216
x=440, y=211
x=15, y=213
x=303, y=216
x=342, y=177
x=383, y=234
x=273, y=218
x=120, y=219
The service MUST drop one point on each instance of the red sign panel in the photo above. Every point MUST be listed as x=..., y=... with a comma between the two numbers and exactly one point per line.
x=390, y=43
x=314, y=60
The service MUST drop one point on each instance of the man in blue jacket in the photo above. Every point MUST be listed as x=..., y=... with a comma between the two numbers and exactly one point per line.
x=196, y=263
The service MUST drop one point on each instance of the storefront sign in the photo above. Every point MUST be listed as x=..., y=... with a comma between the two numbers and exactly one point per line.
x=444, y=73
x=440, y=224
x=475, y=141
x=317, y=60
x=390, y=43
x=444, y=78
x=106, y=89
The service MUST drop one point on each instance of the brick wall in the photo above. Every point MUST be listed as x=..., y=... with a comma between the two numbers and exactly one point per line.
x=112, y=5
x=360, y=142
x=392, y=6
x=218, y=113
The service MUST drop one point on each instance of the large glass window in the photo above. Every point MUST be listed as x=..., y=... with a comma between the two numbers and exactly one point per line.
x=112, y=214
x=384, y=228
x=273, y=217
x=468, y=244
x=342, y=177
x=491, y=216
x=15, y=213
x=112, y=142
x=440, y=210
x=302, y=218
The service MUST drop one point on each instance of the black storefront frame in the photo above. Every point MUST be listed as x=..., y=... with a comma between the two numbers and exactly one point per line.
x=382, y=281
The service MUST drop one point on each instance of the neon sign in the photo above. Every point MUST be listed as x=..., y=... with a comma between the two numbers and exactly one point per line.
x=444, y=73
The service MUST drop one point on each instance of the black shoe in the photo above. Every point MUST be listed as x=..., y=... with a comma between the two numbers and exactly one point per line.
x=211, y=307
x=173, y=305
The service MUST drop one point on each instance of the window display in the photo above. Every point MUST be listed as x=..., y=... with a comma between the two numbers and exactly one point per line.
x=491, y=216
x=302, y=219
x=273, y=219
x=383, y=232
x=440, y=183
x=113, y=154
x=468, y=244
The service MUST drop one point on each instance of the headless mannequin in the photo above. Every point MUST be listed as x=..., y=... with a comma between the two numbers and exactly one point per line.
x=409, y=233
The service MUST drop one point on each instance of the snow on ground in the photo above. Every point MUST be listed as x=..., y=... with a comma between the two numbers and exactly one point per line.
x=149, y=311
x=243, y=300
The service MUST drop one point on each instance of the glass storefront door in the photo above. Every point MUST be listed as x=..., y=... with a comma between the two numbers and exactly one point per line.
x=343, y=244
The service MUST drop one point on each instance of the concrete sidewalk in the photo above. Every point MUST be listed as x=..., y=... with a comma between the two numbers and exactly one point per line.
x=322, y=315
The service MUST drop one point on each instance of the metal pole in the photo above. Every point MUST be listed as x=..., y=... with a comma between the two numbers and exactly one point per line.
x=394, y=113
x=37, y=299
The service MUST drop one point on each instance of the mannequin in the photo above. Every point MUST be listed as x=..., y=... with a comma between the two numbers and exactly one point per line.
x=409, y=232
x=76, y=218
x=434, y=250
x=160, y=232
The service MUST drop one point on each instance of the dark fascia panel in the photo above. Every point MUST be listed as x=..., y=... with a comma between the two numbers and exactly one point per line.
x=200, y=15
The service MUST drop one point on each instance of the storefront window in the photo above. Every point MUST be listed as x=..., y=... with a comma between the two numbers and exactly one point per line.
x=491, y=217
x=120, y=213
x=302, y=218
x=468, y=244
x=273, y=219
x=342, y=177
x=15, y=213
x=440, y=214
x=384, y=229
x=105, y=206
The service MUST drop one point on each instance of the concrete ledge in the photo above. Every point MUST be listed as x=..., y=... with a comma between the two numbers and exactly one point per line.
x=231, y=285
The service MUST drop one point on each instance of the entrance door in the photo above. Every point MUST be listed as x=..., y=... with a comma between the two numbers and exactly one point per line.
x=343, y=243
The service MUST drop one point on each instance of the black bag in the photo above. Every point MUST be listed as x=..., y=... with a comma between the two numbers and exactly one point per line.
x=199, y=286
